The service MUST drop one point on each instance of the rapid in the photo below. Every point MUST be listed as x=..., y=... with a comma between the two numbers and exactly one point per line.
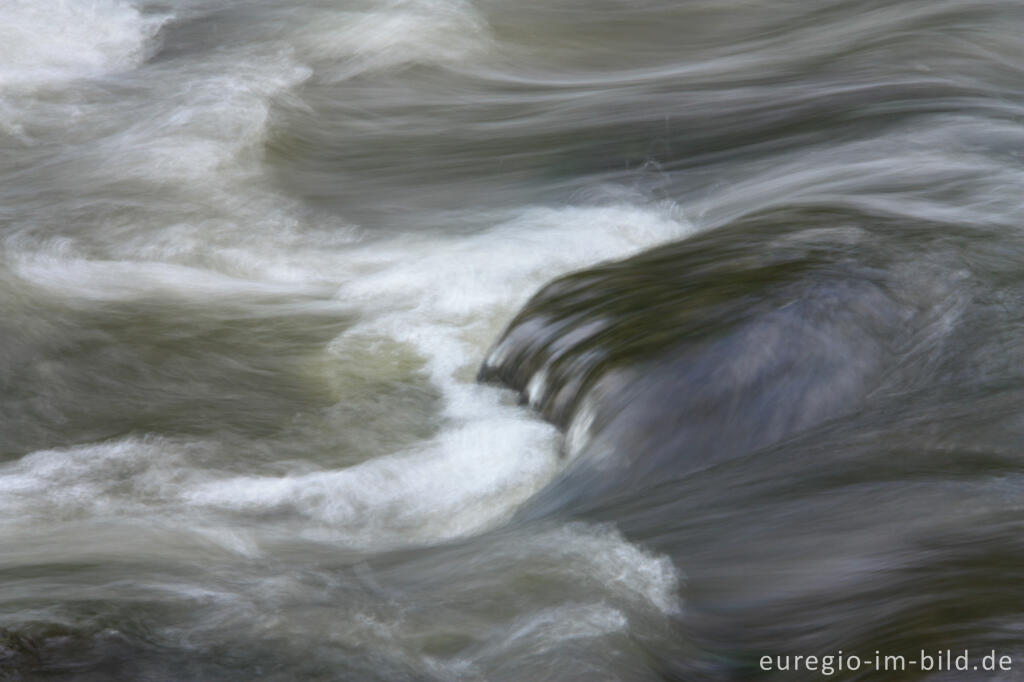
x=508, y=340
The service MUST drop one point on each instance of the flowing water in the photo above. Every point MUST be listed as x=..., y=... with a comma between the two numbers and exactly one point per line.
x=280, y=400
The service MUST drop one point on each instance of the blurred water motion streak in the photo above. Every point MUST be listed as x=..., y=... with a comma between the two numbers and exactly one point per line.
x=752, y=269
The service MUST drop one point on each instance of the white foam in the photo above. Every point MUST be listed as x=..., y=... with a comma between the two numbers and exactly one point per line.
x=549, y=628
x=46, y=41
x=198, y=138
x=84, y=480
x=445, y=298
x=123, y=481
x=95, y=280
x=462, y=482
x=617, y=567
x=395, y=34
x=433, y=294
x=213, y=120
x=580, y=428
x=536, y=388
x=462, y=275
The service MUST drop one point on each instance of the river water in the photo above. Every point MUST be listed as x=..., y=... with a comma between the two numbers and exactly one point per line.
x=280, y=400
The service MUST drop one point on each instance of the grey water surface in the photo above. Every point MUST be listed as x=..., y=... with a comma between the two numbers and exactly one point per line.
x=509, y=340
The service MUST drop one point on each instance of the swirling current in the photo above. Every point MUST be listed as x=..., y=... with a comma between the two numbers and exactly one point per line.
x=511, y=341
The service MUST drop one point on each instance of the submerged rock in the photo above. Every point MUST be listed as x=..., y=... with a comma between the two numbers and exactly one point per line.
x=703, y=350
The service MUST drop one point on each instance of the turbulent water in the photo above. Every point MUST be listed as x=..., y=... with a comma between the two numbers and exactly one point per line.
x=508, y=340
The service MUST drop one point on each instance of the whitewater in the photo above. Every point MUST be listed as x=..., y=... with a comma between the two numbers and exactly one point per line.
x=467, y=339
